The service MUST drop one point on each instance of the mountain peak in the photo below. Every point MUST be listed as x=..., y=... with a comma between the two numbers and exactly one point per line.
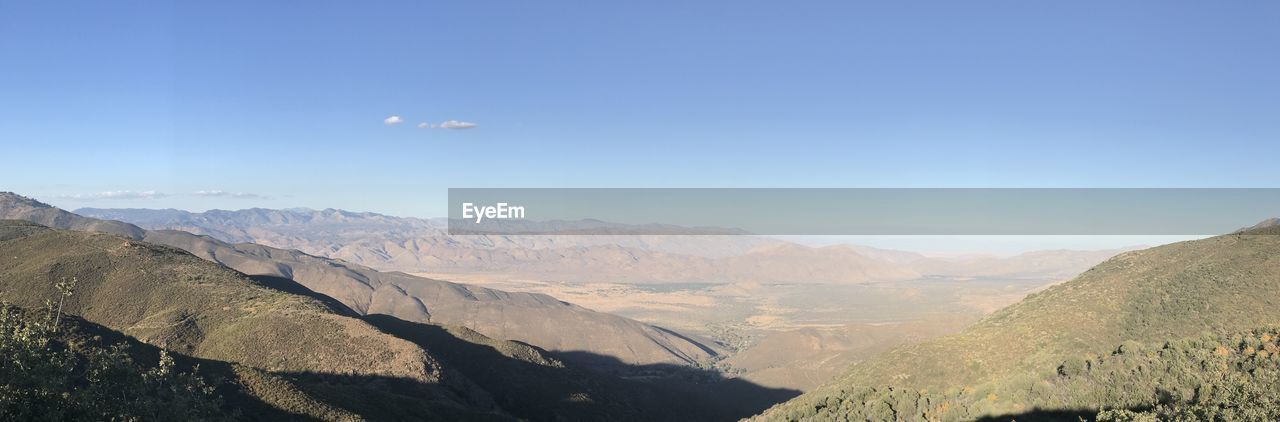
x=1262, y=225
x=1270, y=222
x=18, y=207
x=10, y=198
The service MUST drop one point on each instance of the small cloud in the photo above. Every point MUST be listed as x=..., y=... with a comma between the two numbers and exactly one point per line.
x=117, y=194
x=456, y=124
x=225, y=194
x=393, y=120
x=447, y=124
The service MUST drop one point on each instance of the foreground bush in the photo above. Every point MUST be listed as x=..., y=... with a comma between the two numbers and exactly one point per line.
x=1226, y=378
x=43, y=377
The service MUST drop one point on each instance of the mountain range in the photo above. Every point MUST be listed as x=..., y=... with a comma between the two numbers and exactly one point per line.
x=424, y=245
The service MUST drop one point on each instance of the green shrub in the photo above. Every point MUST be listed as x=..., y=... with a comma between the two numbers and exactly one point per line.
x=1191, y=379
x=44, y=378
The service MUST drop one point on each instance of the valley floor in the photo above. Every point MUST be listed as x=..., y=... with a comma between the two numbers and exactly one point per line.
x=788, y=335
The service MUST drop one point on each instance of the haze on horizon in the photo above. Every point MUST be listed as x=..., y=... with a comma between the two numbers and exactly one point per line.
x=946, y=246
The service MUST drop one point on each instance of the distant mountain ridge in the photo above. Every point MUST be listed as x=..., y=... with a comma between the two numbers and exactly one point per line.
x=532, y=318
x=424, y=245
x=243, y=225
x=417, y=245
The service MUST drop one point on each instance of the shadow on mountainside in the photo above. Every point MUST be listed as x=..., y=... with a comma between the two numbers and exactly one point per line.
x=1072, y=415
x=704, y=388
x=257, y=395
x=483, y=379
x=1052, y=415
x=534, y=384
x=237, y=400
x=289, y=286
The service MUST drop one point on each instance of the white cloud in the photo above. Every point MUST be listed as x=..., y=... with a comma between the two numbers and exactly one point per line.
x=225, y=194
x=456, y=124
x=447, y=124
x=118, y=194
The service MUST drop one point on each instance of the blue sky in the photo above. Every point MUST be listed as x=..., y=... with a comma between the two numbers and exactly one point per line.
x=284, y=102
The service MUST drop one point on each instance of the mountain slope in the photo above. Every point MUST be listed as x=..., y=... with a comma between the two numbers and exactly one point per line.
x=808, y=357
x=532, y=318
x=15, y=207
x=1048, y=264
x=1223, y=377
x=1264, y=224
x=1220, y=284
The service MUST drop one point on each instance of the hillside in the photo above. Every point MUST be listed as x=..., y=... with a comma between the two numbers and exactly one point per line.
x=1216, y=285
x=1054, y=264
x=1223, y=377
x=536, y=319
x=808, y=357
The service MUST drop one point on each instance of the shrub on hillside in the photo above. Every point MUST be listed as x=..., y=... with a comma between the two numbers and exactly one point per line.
x=42, y=377
x=1228, y=378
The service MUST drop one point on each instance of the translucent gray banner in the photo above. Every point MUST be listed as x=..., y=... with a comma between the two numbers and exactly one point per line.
x=771, y=211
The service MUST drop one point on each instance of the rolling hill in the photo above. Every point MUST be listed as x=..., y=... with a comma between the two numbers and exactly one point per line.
x=1006, y=363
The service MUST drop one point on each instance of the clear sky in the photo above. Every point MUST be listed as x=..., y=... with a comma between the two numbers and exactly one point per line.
x=282, y=104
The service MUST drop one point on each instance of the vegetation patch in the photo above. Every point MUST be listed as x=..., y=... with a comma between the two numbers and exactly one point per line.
x=47, y=375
